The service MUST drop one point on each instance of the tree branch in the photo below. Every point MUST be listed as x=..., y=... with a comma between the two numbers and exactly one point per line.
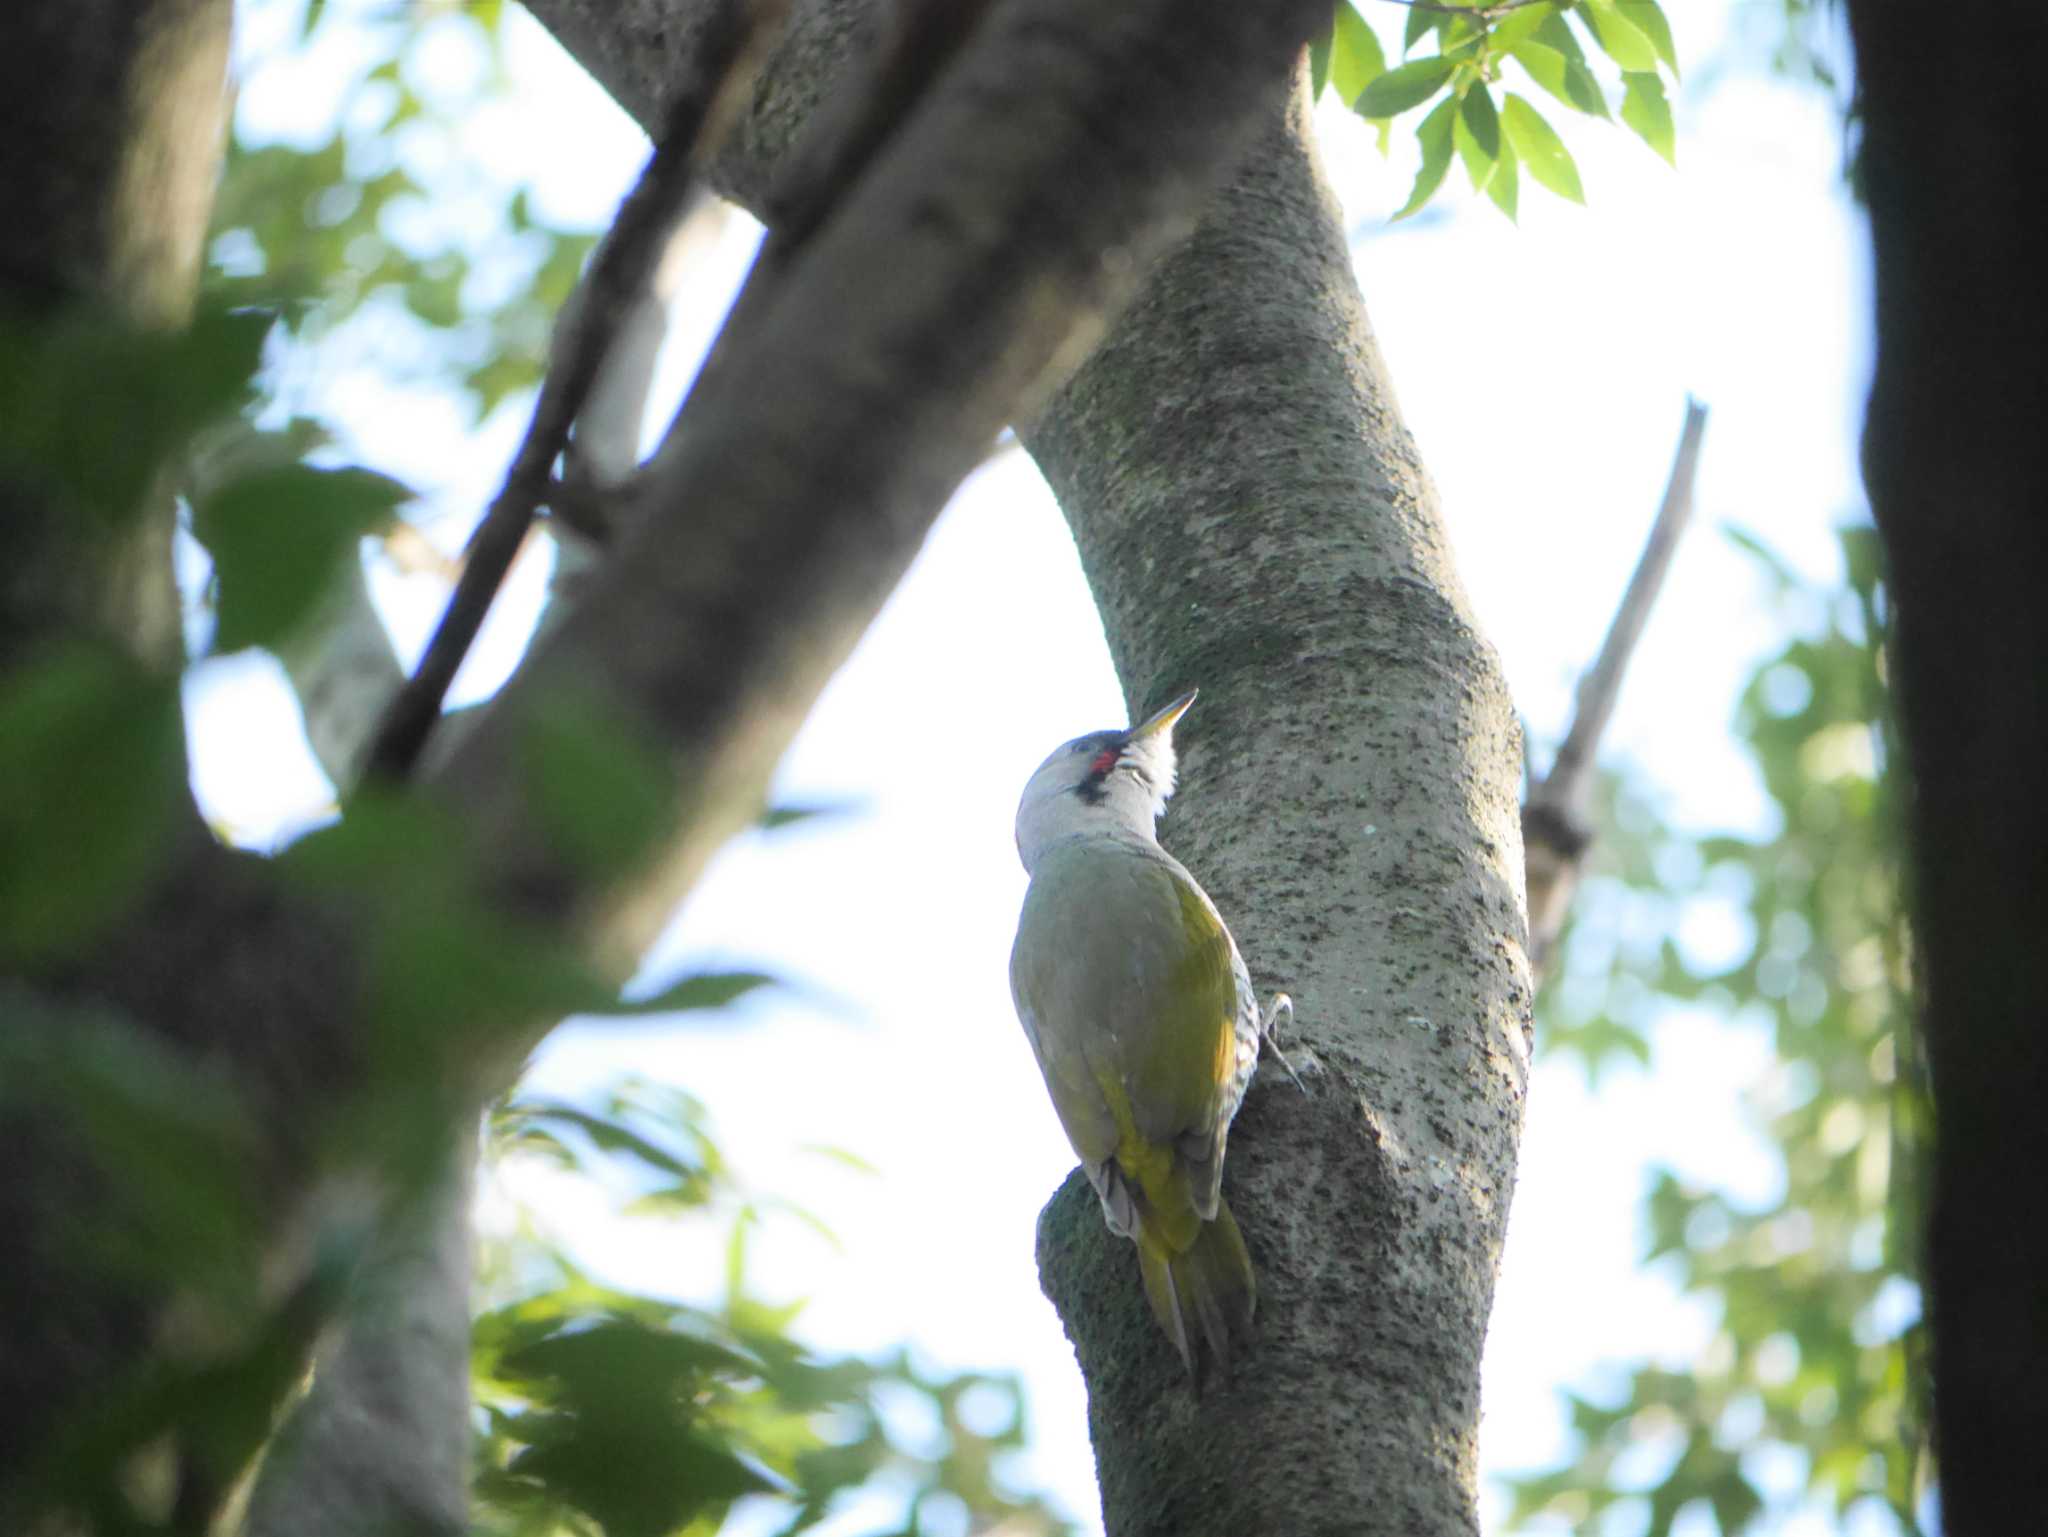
x=1253, y=518
x=1058, y=130
x=379, y=1445
x=620, y=271
x=1555, y=830
x=1956, y=462
x=760, y=541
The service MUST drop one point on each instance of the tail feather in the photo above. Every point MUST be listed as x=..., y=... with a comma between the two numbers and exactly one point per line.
x=1209, y=1284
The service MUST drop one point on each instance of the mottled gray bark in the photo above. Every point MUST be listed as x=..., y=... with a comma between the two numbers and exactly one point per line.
x=1957, y=467
x=111, y=115
x=1253, y=519
x=111, y=122
x=977, y=256
x=379, y=1447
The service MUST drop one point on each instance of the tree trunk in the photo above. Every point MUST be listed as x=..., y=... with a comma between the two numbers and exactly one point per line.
x=1253, y=519
x=974, y=238
x=111, y=119
x=1957, y=467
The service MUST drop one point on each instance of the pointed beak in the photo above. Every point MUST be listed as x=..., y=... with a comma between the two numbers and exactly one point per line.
x=1162, y=723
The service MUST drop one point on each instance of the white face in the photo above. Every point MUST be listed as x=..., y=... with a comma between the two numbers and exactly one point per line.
x=1101, y=782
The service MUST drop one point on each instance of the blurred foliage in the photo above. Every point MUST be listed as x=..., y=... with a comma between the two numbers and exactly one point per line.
x=610, y=1412
x=1820, y=1352
x=1803, y=40
x=383, y=215
x=1552, y=45
x=599, y=1410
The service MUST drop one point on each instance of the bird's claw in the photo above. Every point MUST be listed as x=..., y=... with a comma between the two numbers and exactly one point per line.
x=1268, y=1033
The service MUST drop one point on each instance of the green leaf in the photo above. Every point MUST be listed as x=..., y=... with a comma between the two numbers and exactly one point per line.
x=1518, y=25
x=775, y=818
x=1539, y=147
x=599, y=791
x=1783, y=577
x=1407, y=85
x=91, y=411
x=1621, y=39
x=276, y=538
x=1555, y=33
x=1647, y=17
x=609, y=1136
x=92, y=771
x=1581, y=88
x=1566, y=79
x=1461, y=36
x=1318, y=66
x=174, y=1146
x=1356, y=59
x=702, y=990
x=1433, y=133
x=841, y=1156
x=1476, y=136
x=1421, y=22
x=736, y=1256
x=440, y=968
x=382, y=832
x=1503, y=188
x=1644, y=109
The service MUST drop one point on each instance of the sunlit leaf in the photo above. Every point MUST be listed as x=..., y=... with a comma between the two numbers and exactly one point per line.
x=1519, y=25
x=1420, y=23
x=1404, y=86
x=1644, y=109
x=1433, y=134
x=1504, y=186
x=1566, y=79
x=1356, y=59
x=1619, y=38
x=1540, y=149
x=1647, y=16
x=843, y=1157
x=1476, y=135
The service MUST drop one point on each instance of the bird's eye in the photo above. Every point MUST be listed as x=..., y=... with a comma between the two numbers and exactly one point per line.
x=1105, y=760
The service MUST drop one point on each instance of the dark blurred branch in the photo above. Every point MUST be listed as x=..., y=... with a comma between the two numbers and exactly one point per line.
x=1555, y=827
x=803, y=474
x=621, y=269
x=1956, y=462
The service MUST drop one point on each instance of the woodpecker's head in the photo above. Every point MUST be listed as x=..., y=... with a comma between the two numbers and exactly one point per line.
x=1102, y=782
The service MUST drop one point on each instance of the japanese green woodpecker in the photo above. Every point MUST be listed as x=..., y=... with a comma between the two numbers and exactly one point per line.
x=1143, y=1019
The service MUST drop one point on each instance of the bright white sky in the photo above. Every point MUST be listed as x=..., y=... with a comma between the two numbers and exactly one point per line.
x=1543, y=370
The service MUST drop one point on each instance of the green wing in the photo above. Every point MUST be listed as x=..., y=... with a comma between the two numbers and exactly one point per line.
x=1124, y=977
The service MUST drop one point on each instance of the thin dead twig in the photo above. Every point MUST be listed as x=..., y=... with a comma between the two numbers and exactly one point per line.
x=704, y=108
x=1555, y=828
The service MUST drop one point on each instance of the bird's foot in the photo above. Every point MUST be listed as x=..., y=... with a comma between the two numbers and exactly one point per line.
x=1269, y=1043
